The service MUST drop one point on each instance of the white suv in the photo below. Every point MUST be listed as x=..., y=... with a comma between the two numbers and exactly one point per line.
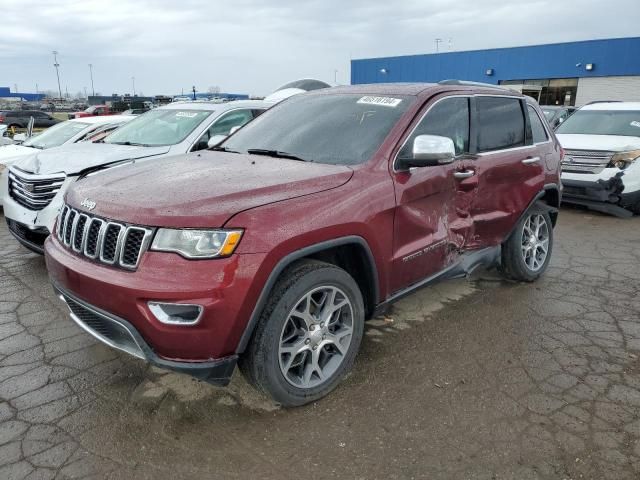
x=34, y=186
x=601, y=166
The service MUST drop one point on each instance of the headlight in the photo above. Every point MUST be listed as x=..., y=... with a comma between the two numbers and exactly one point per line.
x=623, y=159
x=197, y=243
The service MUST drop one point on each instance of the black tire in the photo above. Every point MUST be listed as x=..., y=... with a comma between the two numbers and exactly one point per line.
x=260, y=362
x=513, y=264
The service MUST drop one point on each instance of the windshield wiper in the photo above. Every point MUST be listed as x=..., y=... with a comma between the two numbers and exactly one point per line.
x=131, y=144
x=275, y=153
x=223, y=149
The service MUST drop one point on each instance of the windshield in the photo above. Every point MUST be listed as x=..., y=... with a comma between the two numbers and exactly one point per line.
x=338, y=129
x=159, y=127
x=56, y=135
x=603, y=122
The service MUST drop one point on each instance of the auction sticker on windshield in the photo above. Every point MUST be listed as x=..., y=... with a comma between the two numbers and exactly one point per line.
x=384, y=101
x=186, y=114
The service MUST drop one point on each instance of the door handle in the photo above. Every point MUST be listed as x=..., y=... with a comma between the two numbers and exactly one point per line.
x=464, y=174
x=529, y=161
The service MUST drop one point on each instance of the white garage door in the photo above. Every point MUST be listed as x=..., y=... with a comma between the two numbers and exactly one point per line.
x=608, y=88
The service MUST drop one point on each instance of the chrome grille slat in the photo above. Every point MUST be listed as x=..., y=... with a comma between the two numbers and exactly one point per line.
x=586, y=161
x=104, y=241
x=34, y=192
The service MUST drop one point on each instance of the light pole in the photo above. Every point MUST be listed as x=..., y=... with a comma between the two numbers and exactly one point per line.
x=93, y=90
x=85, y=93
x=193, y=89
x=335, y=77
x=133, y=81
x=438, y=42
x=56, y=64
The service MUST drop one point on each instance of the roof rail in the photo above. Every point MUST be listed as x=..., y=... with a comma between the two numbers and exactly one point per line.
x=470, y=84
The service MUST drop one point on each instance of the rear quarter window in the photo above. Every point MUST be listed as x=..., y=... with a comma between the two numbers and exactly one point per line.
x=501, y=123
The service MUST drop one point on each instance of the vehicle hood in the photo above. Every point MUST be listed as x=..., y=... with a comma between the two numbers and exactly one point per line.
x=201, y=190
x=9, y=152
x=611, y=143
x=74, y=158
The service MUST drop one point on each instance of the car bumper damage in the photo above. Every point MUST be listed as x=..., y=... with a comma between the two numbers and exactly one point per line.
x=605, y=195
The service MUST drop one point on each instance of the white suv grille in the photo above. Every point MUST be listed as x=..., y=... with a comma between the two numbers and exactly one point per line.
x=108, y=242
x=34, y=192
x=585, y=161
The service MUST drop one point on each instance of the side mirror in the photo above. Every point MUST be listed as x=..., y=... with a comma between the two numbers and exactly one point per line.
x=216, y=140
x=234, y=129
x=429, y=151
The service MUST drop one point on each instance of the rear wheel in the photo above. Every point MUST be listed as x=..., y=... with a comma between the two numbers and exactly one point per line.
x=526, y=254
x=308, y=335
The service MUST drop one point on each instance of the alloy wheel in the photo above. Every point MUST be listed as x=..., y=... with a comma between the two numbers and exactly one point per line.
x=315, y=337
x=535, y=241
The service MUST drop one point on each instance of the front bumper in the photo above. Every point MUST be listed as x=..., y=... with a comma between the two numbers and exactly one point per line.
x=613, y=191
x=225, y=289
x=33, y=239
x=120, y=334
x=37, y=221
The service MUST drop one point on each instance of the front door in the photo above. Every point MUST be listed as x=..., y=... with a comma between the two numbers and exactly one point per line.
x=427, y=232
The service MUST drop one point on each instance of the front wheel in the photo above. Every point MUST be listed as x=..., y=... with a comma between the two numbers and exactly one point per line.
x=308, y=335
x=526, y=253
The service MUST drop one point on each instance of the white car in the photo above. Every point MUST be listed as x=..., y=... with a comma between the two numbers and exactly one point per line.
x=601, y=165
x=34, y=186
x=62, y=133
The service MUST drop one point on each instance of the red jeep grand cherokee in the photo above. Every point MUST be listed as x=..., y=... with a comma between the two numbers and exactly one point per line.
x=272, y=250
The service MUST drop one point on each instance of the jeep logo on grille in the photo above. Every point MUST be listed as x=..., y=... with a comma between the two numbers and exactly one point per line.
x=88, y=204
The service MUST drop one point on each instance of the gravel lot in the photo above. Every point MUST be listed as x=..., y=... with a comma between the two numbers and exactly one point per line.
x=468, y=379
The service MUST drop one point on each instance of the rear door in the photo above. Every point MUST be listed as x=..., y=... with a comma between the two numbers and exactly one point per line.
x=426, y=198
x=508, y=166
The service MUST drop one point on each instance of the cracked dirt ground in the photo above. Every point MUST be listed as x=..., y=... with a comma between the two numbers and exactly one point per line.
x=468, y=379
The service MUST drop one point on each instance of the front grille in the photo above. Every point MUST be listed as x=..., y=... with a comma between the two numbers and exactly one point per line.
x=108, y=242
x=104, y=328
x=585, y=161
x=34, y=192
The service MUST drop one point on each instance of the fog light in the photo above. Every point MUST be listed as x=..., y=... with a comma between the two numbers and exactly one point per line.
x=176, y=313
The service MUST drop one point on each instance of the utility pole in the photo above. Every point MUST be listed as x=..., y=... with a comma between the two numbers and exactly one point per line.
x=133, y=81
x=438, y=42
x=85, y=93
x=93, y=90
x=335, y=77
x=57, y=65
x=193, y=89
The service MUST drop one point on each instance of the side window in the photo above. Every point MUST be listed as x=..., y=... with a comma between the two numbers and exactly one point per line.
x=223, y=125
x=537, y=129
x=500, y=123
x=447, y=118
x=226, y=122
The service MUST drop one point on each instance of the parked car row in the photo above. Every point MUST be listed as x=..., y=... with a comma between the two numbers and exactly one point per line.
x=204, y=236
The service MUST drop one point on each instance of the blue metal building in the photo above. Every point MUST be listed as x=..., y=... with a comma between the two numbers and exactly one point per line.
x=5, y=92
x=573, y=73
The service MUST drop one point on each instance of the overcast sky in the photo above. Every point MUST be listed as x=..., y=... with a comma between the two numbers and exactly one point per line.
x=253, y=46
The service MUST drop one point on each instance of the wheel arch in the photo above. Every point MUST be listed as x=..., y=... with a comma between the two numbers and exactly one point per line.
x=352, y=253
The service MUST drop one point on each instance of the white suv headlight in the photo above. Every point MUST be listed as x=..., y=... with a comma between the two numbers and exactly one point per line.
x=197, y=243
x=623, y=159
